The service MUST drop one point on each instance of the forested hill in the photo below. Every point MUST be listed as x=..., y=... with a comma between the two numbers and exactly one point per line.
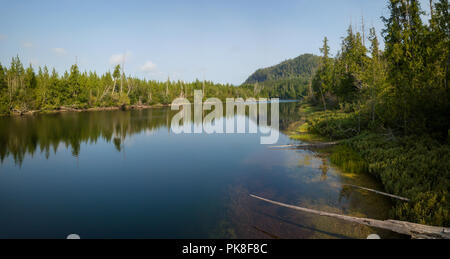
x=302, y=66
x=287, y=80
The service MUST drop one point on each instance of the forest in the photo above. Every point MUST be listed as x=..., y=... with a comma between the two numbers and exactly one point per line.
x=287, y=80
x=391, y=106
x=403, y=87
x=24, y=89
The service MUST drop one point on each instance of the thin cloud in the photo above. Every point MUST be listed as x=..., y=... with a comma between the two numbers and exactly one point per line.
x=3, y=37
x=28, y=44
x=148, y=67
x=60, y=51
x=118, y=59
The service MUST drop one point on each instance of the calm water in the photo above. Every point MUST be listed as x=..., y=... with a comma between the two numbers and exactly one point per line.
x=123, y=174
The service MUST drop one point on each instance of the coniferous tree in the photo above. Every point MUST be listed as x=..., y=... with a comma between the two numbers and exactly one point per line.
x=322, y=82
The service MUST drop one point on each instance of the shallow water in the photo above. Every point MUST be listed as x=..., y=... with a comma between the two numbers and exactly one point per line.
x=123, y=174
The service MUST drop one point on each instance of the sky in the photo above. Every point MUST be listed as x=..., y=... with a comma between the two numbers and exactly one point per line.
x=218, y=40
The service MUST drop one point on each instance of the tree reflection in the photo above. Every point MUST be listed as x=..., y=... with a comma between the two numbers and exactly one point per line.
x=45, y=133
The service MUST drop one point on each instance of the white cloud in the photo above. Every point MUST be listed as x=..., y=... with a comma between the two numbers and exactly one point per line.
x=60, y=51
x=28, y=44
x=148, y=67
x=118, y=59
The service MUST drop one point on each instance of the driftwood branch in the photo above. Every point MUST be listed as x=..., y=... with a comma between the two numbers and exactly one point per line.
x=306, y=146
x=378, y=192
x=414, y=230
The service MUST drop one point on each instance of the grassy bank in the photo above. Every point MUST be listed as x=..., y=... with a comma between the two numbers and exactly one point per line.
x=416, y=167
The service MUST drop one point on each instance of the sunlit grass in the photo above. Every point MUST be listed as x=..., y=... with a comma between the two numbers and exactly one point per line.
x=348, y=160
x=307, y=137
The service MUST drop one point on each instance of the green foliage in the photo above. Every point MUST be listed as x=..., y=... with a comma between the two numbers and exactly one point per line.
x=302, y=66
x=348, y=160
x=350, y=68
x=287, y=89
x=404, y=87
x=23, y=90
x=335, y=124
x=323, y=81
x=287, y=80
x=413, y=167
x=403, y=91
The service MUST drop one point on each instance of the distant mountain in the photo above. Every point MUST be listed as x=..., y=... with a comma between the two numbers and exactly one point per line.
x=299, y=67
x=287, y=80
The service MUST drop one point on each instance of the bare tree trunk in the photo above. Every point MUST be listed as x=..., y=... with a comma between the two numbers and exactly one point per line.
x=203, y=87
x=363, y=30
x=306, y=146
x=104, y=93
x=121, y=85
x=149, y=96
x=114, y=87
x=9, y=90
x=431, y=9
x=378, y=192
x=130, y=86
x=416, y=231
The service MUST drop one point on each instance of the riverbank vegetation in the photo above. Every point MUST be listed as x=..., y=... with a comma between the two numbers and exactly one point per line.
x=412, y=166
x=391, y=107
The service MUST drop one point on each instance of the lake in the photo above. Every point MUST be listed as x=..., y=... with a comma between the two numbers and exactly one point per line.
x=124, y=174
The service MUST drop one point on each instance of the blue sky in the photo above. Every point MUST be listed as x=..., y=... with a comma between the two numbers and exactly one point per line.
x=218, y=40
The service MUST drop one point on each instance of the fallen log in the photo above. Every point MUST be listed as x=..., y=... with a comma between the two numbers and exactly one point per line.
x=416, y=231
x=305, y=146
x=378, y=192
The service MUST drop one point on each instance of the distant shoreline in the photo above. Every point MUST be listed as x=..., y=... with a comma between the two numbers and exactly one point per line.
x=64, y=109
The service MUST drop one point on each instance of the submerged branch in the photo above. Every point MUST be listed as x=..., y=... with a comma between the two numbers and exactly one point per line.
x=414, y=230
x=378, y=192
x=306, y=146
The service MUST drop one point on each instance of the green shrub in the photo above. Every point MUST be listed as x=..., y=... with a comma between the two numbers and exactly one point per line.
x=413, y=167
x=336, y=125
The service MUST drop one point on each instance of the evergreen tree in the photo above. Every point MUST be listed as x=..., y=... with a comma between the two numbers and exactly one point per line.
x=322, y=82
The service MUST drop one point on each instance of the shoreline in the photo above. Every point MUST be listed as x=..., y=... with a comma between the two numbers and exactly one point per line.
x=391, y=160
x=64, y=109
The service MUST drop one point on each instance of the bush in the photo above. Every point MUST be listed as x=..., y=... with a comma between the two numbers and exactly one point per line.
x=413, y=167
x=336, y=125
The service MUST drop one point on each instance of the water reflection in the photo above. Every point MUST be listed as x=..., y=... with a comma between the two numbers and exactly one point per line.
x=317, y=185
x=45, y=133
x=133, y=178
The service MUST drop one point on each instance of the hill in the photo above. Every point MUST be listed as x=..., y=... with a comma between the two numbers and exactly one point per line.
x=302, y=66
x=287, y=80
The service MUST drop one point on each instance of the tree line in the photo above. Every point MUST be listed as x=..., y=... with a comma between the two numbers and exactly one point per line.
x=24, y=89
x=287, y=80
x=390, y=107
x=404, y=87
